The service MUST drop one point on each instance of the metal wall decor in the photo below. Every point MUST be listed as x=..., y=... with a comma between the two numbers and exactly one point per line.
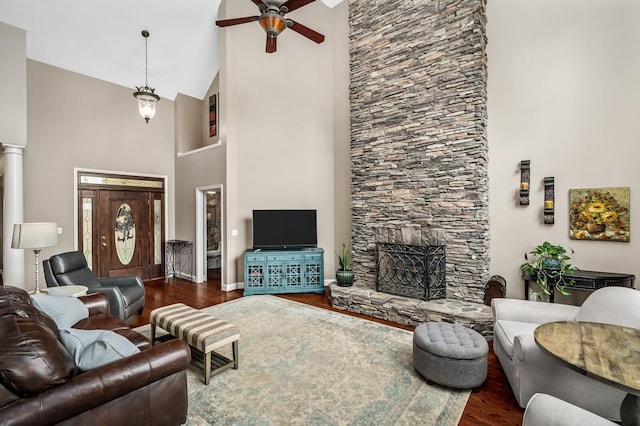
x=549, y=187
x=525, y=177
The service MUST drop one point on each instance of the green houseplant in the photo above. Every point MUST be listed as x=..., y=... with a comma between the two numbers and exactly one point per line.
x=550, y=265
x=344, y=274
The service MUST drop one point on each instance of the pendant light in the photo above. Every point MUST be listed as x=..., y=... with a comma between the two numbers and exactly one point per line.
x=146, y=97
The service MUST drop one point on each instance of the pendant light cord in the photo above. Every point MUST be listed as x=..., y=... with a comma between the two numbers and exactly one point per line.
x=146, y=62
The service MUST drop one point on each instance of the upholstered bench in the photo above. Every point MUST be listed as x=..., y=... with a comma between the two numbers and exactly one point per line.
x=450, y=354
x=202, y=332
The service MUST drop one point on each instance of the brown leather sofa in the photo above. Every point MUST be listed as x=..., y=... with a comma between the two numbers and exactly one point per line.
x=40, y=383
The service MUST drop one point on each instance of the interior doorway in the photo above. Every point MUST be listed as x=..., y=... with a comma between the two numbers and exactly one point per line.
x=209, y=233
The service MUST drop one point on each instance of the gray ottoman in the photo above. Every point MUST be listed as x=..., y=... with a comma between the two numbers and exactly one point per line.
x=450, y=354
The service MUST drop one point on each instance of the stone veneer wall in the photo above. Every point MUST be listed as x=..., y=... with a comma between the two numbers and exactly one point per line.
x=418, y=134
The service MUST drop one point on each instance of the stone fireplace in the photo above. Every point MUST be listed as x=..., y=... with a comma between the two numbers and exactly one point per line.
x=419, y=152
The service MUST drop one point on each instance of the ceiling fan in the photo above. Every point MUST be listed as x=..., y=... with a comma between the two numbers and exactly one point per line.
x=272, y=20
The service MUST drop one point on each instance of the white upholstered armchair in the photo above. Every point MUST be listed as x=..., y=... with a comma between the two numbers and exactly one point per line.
x=530, y=370
x=546, y=410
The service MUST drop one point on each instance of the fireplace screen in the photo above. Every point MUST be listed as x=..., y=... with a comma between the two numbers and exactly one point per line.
x=412, y=271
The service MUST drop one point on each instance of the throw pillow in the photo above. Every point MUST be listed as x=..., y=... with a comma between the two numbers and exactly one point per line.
x=94, y=348
x=65, y=310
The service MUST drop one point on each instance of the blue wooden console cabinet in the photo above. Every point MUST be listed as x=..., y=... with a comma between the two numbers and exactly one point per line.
x=283, y=271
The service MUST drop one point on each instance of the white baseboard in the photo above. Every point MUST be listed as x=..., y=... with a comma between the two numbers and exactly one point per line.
x=233, y=286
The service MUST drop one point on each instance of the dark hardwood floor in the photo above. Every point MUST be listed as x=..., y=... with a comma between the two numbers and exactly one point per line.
x=492, y=404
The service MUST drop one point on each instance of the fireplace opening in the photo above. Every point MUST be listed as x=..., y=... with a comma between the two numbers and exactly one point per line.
x=413, y=271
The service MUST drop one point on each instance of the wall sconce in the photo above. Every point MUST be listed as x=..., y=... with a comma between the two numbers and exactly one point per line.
x=525, y=177
x=549, y=187
x=146, y=96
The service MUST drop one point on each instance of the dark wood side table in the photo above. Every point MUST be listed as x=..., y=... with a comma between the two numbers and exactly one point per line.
x=605, y=352
x=585, y=281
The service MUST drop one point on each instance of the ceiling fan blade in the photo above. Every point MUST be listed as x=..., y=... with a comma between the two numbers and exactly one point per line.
x=272, y=44
x=292, y=5
x=257, y=2
x=306, y=31
x=236, y=21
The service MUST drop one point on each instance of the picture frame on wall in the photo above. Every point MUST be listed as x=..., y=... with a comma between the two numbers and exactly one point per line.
x=600, y=214
x=213, y=115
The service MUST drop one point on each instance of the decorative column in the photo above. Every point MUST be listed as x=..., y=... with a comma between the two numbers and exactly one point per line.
x=13, y=259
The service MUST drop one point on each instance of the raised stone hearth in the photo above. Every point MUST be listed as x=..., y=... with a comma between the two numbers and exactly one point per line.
x=403, y=310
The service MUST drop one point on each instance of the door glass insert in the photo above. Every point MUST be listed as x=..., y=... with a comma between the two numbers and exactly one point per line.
x=157, y=232
x=87, y=229
x=125, y=235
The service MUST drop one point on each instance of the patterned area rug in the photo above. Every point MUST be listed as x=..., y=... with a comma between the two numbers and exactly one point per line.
x=301, y=365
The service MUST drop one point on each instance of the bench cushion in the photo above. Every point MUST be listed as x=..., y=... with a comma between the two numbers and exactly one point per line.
x=199, y=329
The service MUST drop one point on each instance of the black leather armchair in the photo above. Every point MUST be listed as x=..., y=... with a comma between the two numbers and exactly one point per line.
x=125, y=294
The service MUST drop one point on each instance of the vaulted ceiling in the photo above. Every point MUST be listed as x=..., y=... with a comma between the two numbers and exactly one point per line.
x=102, y=39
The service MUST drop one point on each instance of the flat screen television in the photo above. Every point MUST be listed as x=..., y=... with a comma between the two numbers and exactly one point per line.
x=284, y=229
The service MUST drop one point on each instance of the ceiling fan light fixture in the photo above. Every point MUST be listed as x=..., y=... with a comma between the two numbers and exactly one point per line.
x=272, y=23
x=145, y=95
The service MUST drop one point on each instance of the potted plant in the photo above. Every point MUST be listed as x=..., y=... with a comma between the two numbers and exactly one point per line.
x=344, y=275
x=550, y=265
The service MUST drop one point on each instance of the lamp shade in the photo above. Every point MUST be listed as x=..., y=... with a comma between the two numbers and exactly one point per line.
x=34, y=235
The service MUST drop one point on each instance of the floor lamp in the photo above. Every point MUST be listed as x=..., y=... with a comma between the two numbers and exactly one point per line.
x=35, y=236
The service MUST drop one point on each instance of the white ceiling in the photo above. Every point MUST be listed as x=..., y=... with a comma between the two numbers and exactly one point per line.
x=102, y=39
